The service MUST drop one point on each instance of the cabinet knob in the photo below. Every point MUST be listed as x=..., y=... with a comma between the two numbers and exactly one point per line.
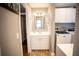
x=64, y=36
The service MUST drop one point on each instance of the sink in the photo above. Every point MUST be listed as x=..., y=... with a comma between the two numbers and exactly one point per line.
x=62, y=32
x=38, y=33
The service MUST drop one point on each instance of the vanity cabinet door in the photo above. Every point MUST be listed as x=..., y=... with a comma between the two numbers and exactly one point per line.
x=35, y=43
x=44, y=44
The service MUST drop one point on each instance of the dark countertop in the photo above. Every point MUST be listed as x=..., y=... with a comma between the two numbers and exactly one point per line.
x=62, y=32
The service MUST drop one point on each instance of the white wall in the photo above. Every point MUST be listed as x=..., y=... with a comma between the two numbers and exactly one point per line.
x=46, y=21
x=51, y=11
x=28, y=26
x=9, y=27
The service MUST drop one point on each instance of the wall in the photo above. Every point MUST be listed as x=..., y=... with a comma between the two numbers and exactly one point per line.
x=11, y=43
x=76, y=40
x=46, y=21
x=51, y=12
x=65, y=26
x=28, y=26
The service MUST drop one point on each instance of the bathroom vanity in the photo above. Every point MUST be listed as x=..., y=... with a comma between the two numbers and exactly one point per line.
x=40, y=41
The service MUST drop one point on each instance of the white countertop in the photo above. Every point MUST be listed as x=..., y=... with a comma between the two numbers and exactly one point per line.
x=66, y=48
x=39, y=33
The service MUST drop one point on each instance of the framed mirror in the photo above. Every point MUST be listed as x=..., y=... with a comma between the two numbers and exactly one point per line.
x=39, y=22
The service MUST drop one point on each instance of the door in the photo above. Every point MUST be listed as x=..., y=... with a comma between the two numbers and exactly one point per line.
x=10, y=33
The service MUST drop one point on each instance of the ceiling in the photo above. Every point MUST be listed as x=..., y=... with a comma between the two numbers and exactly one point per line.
x=39, y=5
x=45, y=5
x=65, y=4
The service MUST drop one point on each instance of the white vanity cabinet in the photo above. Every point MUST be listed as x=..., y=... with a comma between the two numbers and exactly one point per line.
x=35, y=43
x=63, y=38
x=65, y=15
x=39, y=42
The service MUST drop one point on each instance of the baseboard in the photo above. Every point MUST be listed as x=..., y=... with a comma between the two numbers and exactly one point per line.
x=52, y=53
x=40, y=49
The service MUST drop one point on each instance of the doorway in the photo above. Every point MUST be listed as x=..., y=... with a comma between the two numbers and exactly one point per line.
x=23, y=29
